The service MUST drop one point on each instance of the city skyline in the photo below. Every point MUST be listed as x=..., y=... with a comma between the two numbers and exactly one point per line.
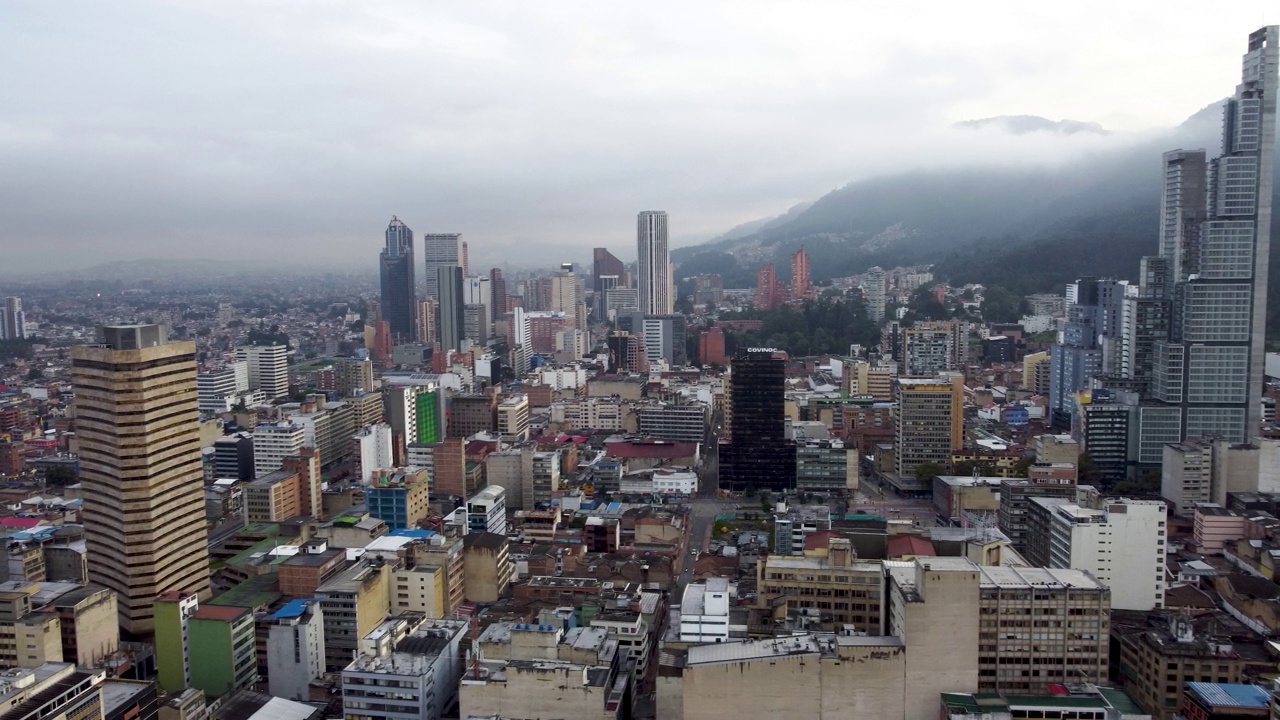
x=468, y=140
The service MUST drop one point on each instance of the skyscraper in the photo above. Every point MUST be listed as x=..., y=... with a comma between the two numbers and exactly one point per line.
x=1216, y=244
x=449, y=289
x=140, y=467
x=605, y=264
x=12, y=320
x=873, y=289
x=399, y=288
x=656, y=293
x=758, y=455
x=566, y=295
x=440, y=250
x=498, y=286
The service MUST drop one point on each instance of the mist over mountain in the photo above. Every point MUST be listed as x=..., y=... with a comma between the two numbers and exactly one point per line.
x=1023, y=124
x=1028, y=229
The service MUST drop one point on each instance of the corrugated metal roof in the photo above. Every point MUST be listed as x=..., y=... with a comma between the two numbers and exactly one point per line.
x=1224, y=695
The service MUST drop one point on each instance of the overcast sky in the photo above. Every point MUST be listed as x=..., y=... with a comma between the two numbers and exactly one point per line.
x=291, y=130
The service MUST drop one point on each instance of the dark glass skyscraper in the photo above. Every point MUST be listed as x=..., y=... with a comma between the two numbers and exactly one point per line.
x=449, y=286
x=399, y=292
x=758, y=455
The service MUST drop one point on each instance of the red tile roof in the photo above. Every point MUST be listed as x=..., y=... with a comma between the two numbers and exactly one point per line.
x=224, y=613
x=903, y=545
x=19, y=522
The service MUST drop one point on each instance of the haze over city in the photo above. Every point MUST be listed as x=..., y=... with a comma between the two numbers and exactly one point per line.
x=291, y=132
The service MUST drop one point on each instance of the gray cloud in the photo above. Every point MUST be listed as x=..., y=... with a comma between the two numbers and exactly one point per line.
x=292, y=130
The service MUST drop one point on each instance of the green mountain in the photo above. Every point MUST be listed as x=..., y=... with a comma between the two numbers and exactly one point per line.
x=1029, y=229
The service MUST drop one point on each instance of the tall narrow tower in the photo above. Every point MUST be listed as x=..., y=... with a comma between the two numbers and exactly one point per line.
x=399, y=290
x=656, y=294
x=800, y=283
x=139, y=447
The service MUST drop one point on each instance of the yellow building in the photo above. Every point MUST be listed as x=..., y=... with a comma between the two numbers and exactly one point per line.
x=487, y=567
x=354, y=602
x=836, y=589
x=139, y=447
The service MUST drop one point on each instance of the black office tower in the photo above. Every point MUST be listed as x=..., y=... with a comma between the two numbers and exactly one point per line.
x=758, y=455
x=399, y=292
x=449, y=282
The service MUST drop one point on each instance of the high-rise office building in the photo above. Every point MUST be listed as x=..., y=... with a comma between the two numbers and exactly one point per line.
x=13, y=322
x=139, y=449
x=268, y=369
x=656, y=294
x=873, y=290
x=498, y=288
x=399, y=287
x=1215, y=237
x=930, y=423
x=439, y=250
x=605, y=264
x=449, y=291
x=757, y=454
x=566, y=296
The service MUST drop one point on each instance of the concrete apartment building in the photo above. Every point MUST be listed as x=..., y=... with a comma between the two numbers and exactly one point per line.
x=508, y=469
x=1122, y=543
x=142, y=483
x=1160, y=656
x=272, y=497
x=704, y=612
x=513, y=418
x=353, y=376
x=354, y=602
x=28, y=638
x=834, y=591
x=449, y=555
x=1066, y=611
x=934, y=613
x=544, y=479
x=273, y=443
x=930, y=423
x=89, y=623
x=415, y=677
x=471, y=413
x=487, y=566
x=268, y=369
x=400, y=497
x=295, y=649
x=543, y=670
x=487, y=511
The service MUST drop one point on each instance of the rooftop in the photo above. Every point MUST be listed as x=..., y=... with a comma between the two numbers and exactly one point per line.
x=220, y=613
x=1222, y=695
x=1008, y=578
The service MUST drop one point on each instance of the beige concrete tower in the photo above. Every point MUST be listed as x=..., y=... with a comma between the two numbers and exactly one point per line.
x=139, y=447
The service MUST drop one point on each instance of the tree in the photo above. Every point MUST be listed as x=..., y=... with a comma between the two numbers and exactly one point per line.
x=928, y=471
x=1086, y=471
x=35, y=373
x=1000, y=305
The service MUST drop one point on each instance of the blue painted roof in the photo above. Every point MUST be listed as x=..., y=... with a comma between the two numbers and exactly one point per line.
x=293, y=609
x=412, y=533
x=1230, y=695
